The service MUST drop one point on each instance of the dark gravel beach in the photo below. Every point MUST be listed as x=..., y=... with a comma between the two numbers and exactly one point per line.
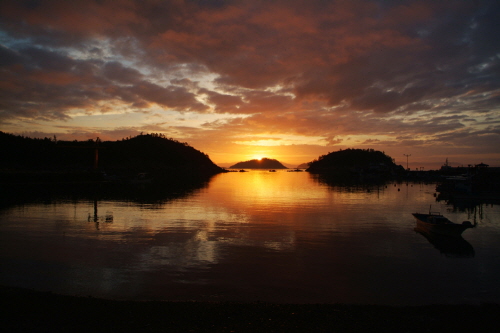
x=31, y=311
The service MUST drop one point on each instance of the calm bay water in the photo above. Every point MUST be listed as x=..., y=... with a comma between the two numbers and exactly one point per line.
x=255, y=236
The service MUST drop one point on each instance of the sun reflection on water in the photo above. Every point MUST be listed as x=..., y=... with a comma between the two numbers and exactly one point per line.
x=247, y=236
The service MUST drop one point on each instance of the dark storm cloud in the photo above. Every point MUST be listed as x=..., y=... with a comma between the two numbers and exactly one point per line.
x=174, y=97
x=117, y=72
x=331, y=50
x=8, y=57
x=223, y=102
x=43, y=84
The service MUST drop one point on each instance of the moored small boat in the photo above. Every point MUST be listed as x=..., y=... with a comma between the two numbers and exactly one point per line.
x=437, y=223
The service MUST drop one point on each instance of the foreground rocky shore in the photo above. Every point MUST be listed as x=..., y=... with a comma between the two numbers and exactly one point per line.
x=31, y=311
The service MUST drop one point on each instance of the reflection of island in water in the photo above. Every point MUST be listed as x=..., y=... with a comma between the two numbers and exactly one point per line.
x=156, y=193
x=350, y=184
x=450, y=246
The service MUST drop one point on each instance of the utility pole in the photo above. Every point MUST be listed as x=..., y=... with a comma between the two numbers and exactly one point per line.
x=407, y=160
x=96, y=155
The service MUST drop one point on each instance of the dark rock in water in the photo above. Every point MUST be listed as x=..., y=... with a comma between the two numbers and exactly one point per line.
x=265, y=163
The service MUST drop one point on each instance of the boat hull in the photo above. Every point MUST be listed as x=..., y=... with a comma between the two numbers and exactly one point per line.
x=449, y=230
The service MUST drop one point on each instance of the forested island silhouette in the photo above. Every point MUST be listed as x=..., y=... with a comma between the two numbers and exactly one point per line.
x=154, y=154
x=352, y=159
x=263, y=163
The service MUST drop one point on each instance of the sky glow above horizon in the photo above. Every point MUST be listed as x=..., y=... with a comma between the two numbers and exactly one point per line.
x=289, y=80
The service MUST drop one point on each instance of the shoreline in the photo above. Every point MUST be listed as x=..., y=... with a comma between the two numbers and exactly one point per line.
x=35, y=311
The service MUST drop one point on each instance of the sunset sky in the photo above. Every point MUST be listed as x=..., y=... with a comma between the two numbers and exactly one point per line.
x=237, y=80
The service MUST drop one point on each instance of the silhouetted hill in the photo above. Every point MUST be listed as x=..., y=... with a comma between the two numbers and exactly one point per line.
x=265, y=163
x=355, y=162
x=152, y=153
x=155, y=153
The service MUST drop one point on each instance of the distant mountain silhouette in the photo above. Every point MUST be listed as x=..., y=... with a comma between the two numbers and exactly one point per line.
x=151, y=153
x=303, y=166
x=355, y=162
x=265, y=163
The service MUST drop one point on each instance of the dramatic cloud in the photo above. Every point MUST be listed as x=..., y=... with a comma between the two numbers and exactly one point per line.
x=235, y=77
